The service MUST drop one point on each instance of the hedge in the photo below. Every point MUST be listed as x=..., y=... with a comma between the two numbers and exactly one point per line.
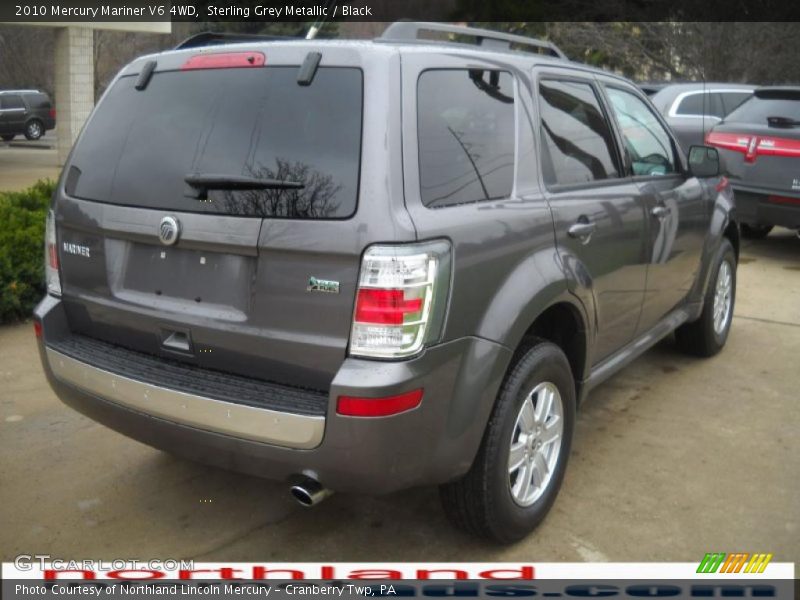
x=22, y=220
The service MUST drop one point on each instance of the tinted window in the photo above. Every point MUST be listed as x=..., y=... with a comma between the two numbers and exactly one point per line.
x=11, y=101
x=577, y=141
x=465, y=127
x=647, y=141
x=258, y=122
x=709, y=104
x=38, y=101
x=756, y=110
x=732, y=100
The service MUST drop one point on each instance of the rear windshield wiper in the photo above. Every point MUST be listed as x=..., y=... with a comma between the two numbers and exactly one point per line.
x=202, y=182
x=782, y=122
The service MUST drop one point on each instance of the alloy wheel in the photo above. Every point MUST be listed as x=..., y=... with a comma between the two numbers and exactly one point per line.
x=535, y=444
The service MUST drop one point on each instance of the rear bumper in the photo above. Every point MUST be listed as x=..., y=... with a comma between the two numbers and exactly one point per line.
x=256, y=424
x=431, y=444
x=763, y=207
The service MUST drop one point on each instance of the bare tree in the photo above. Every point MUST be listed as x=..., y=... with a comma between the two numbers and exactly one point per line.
x=315, y=200
x=756, y=52
x=26, y=57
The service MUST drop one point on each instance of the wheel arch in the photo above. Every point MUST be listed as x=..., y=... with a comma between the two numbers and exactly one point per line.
x=724, y=225
x=563, y=324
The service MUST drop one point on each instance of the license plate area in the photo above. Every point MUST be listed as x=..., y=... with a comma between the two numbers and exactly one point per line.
x=194, y=278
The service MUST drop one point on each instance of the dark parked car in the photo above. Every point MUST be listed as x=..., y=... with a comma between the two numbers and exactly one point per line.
x=692, y=109
x=25, y=112
x=760, y=142
x=369, y=266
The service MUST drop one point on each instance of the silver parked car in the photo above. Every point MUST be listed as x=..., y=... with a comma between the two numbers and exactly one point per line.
x=692, y=109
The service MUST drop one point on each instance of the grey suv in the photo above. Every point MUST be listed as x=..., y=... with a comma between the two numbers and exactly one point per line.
x=25, y=112
x=365, y=266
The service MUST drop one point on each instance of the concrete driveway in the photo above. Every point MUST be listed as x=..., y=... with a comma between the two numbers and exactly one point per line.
x=674, y=457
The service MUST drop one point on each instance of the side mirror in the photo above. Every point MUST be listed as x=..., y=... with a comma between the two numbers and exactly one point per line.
x=704, y=161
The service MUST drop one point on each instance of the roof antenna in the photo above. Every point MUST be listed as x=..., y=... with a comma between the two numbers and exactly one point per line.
x=317, y=25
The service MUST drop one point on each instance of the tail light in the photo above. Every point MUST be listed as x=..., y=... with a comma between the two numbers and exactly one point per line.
x=378, y=407
x=401, y=299
x=753, y=146
x=52, y=278
x=225, y=60
x=53, y=113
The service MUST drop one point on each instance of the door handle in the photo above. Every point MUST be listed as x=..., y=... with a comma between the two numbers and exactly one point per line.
x=582, y=230
x=660, y=211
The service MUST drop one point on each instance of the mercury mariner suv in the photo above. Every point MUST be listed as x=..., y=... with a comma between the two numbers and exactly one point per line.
x=365, y=266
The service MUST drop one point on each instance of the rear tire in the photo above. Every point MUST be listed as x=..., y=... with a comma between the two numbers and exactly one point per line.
x=755, y=232
x=707, y=335
x=8, y=138
x=494, y=500
x=34, y=130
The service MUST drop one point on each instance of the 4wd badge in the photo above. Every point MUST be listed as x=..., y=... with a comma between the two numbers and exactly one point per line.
x=322, y=285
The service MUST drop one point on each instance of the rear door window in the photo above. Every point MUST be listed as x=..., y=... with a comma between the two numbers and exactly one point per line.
x=578, y=145
x=9, y=101
x=140, y=145
x=466, y=133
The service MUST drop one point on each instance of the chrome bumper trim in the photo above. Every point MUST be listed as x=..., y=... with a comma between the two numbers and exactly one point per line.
x=257, y=424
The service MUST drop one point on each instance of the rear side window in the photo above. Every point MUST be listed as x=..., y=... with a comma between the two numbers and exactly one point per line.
x=700, y=104
x=256, y=122
x=578, y=146
x=8, y=101
x=38, y=101
x=466, y=133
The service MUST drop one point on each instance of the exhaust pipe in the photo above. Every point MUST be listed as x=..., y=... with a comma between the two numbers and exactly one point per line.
x=309, y=492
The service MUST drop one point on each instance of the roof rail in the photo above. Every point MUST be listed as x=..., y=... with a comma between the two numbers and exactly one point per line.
x=20, y=92
x=215, y=38
x=407, y=31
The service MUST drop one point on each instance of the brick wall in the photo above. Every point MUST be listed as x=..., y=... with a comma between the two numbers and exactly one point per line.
x=74, y=84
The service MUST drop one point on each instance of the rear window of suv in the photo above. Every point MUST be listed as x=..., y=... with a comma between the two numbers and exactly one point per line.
x=255, y=122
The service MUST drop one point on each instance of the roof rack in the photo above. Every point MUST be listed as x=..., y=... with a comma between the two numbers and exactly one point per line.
x=20, y=92
x=408, y=31
x=215, y=38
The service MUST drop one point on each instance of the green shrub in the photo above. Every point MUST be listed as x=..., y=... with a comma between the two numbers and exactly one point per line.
x=22, y=219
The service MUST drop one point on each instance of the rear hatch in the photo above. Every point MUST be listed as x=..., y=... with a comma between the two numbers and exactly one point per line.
x=760, y=143
x=232, y=293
